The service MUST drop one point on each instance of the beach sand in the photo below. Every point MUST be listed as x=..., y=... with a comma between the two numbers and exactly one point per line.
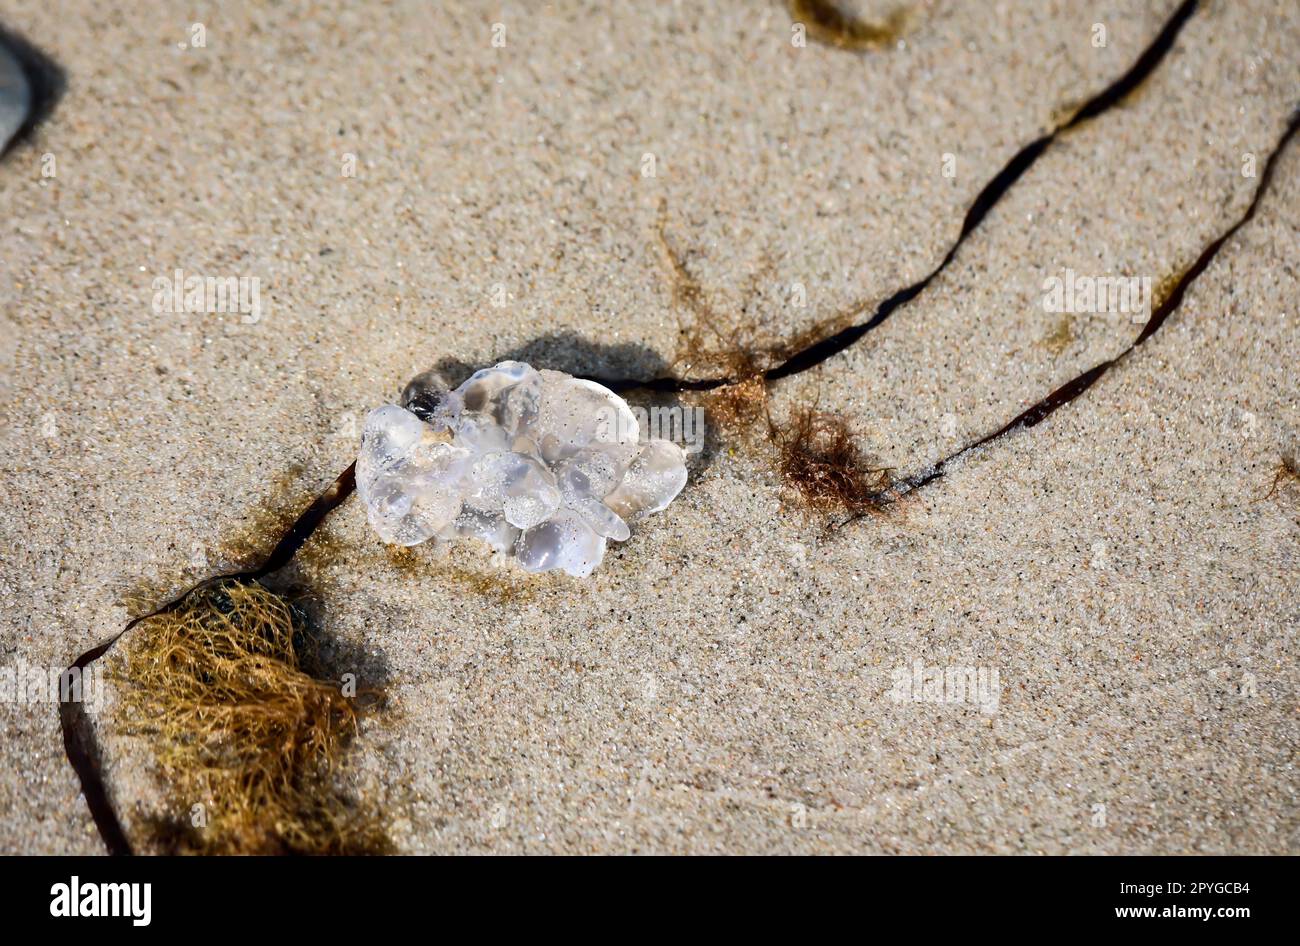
x=729, y=679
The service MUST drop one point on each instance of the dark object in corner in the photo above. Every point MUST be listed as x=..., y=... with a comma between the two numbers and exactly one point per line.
x=45, y=83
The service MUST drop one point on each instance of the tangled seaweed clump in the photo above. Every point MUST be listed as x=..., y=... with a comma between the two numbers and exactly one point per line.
x=821, y=461
x=249, y=743
x=834, y=23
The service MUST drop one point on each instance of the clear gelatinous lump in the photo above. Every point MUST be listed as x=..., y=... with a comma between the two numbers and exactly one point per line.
x=538, y=464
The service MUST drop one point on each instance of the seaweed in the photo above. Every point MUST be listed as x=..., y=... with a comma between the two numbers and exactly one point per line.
x=244, y=731
x=820, y=460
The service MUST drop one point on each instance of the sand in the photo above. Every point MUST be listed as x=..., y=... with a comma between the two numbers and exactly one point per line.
x=724, y=682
